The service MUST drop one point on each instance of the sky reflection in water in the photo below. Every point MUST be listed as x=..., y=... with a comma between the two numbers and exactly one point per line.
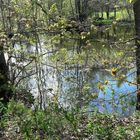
x=117, y=99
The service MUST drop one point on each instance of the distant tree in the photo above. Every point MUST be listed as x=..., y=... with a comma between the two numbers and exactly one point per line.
x=81, y=7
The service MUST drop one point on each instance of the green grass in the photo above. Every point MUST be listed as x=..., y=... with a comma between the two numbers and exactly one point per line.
x=120, y=15
x=105, y=21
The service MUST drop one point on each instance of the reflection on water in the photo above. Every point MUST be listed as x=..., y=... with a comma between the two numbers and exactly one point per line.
x=78, y=68
x=116, y=99
x=118, y=95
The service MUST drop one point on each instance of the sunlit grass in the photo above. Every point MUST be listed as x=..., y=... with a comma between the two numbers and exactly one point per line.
x=120, y=15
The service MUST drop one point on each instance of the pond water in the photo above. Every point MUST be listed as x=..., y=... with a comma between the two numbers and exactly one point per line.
x=78, y=71
x=115, y=97
x=111, y=94
x=118, y=99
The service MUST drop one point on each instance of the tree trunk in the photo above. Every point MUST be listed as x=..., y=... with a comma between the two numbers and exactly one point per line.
x=81, y=9
x=4, y=91
x=115, y=13
x=102, y=12
x=107, y=9
x=78, y=8
x=84, y=12
x=107, y=12
x=136, y=8
x=4, y=85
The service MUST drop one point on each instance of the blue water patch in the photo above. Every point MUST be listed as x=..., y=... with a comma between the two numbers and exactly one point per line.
x=117, y=99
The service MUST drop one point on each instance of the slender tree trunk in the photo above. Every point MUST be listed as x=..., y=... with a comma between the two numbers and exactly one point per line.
x=115, y=13
x=136, y=8
x=71, y=5
x=102, y=12
x=81, y=8
x=78, y=8
x=107, y=12
x=107, y=9
x=84, y=12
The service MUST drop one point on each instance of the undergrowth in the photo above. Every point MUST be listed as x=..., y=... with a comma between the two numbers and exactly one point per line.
x=19, y=122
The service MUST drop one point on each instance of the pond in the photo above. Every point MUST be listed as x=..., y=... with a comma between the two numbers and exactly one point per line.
x=100, y=91
x=117, y=98
x=77, y=71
